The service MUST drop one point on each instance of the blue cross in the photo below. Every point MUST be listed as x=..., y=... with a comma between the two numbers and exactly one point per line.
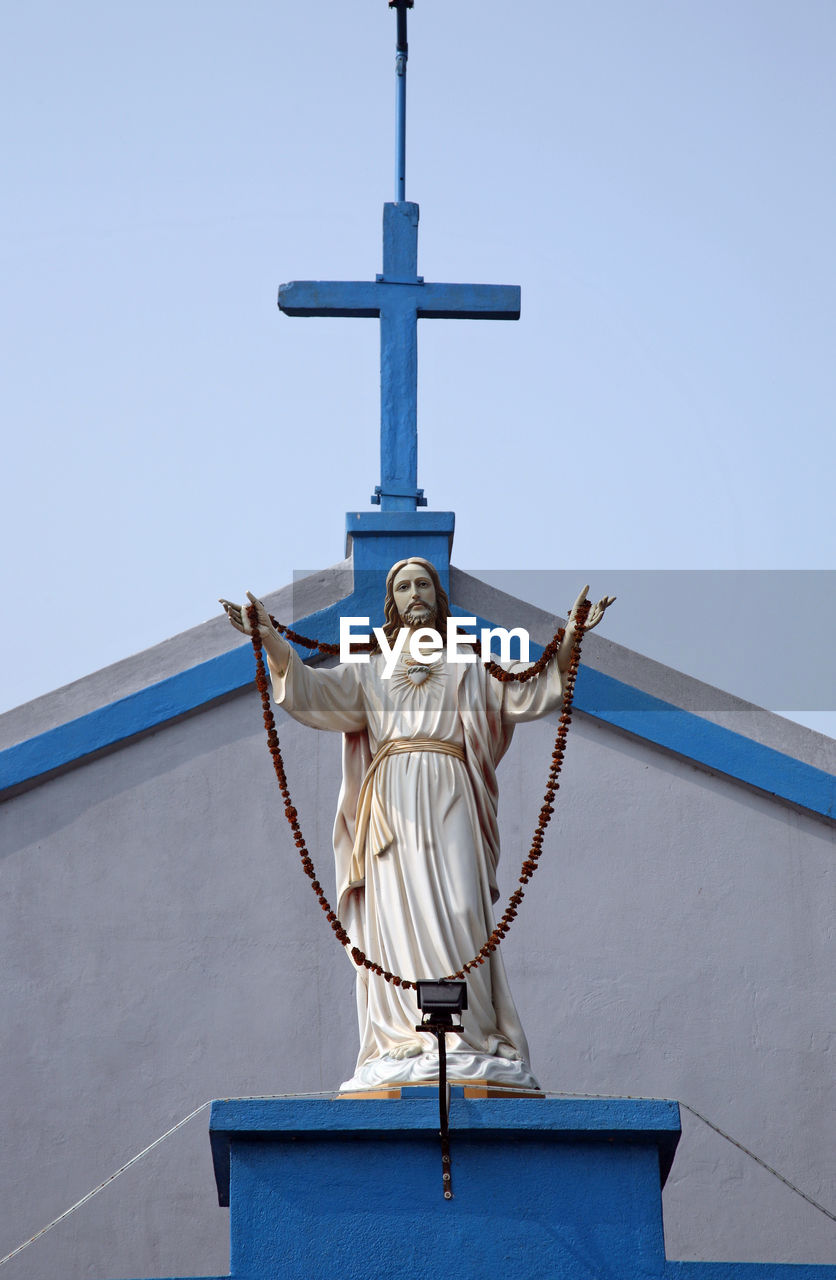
x=400, y=298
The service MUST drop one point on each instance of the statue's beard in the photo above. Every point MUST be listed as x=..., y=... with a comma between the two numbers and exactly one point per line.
x=419, y=615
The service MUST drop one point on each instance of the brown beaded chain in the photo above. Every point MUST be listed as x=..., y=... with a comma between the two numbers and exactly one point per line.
x=304, y=641
x=529, y=866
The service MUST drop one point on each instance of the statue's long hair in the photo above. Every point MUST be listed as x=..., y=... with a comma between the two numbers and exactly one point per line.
x=392, y=623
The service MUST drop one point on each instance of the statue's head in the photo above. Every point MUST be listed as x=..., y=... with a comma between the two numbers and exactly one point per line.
x=413, y=591
x=414, y=597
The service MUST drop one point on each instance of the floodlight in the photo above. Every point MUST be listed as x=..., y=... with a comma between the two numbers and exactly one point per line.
x=438, y=1000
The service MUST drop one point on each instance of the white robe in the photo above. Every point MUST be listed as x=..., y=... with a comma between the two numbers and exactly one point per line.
x=417, y=893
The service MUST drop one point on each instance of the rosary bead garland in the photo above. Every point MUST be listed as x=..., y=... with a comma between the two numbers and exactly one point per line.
x=529, y=865
x=305, y=641
x=519, y=677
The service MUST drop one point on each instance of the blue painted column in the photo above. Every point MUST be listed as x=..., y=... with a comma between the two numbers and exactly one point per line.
x=378, y=539
x=353, y=1188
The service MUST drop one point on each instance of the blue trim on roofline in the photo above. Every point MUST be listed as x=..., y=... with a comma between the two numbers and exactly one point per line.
x=596, y=694
x=704, y=742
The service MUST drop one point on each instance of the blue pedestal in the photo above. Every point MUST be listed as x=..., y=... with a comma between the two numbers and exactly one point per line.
x=377, y=539
x=351, y=1190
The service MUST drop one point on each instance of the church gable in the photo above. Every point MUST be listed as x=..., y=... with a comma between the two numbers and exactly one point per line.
x=617, y=686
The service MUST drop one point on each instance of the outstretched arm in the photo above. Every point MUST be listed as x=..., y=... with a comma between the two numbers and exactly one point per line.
x=275, y=646
x=594, y=616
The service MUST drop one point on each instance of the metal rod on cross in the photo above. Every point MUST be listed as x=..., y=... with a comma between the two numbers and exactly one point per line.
x=401, y=56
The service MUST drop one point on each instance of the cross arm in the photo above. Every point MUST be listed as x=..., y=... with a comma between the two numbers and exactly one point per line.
x=330, y=298
x=468, y=301
x=364, y=298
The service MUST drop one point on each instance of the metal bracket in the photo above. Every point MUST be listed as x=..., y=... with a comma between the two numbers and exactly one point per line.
x=440, y=1027
x=380, y=492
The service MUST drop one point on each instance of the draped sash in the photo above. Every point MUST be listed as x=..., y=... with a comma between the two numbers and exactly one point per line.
x=372, y=833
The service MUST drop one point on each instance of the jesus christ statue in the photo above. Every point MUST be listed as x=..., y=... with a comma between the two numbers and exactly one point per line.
x=416, y=839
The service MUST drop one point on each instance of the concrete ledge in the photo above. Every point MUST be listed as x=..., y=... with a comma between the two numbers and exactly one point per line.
x=651, y=1122
x=747, y=1271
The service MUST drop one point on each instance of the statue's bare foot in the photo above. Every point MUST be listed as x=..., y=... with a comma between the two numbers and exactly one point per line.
x=409, y=1049
x=508, y=1051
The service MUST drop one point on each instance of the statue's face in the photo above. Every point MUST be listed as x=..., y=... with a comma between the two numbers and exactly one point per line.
x=414, y=596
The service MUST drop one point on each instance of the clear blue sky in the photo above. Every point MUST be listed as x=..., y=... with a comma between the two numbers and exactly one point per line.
x=657, y=177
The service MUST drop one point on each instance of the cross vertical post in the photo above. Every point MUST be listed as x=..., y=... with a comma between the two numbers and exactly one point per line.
x=398, y=488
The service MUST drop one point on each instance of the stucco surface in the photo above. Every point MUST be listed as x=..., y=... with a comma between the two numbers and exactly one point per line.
x=161, y=947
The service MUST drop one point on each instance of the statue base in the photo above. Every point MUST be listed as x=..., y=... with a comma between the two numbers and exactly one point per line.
x=567, y=1188
x=458, y=1089
x=462, y=1068
x=561, y=1188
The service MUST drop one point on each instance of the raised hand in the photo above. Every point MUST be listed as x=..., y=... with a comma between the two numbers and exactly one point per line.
x=275, y=646
x=593, y=617
x=238, y=615
x=596, y=611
